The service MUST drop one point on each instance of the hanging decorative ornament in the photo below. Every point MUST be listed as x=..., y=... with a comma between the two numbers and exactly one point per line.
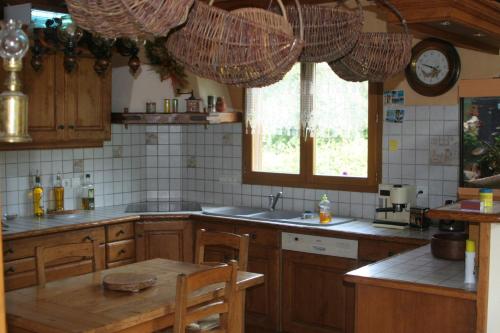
x=14, y=44
x=128, y=48
x=101, y=49
x=69, y=34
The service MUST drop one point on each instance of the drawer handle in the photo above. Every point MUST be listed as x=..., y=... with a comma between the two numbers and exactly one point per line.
x=60, y=127
x=88, y=238
x=10, y=270
x=122, y=251
x=390, y=253
x=119, y=232
x=71, y=126
x=8, y=251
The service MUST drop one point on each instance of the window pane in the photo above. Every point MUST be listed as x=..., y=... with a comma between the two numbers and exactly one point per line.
x=341, y=111
x=276, y=141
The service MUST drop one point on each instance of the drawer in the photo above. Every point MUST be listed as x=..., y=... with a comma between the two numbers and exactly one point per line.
x=261, y=236
x=25, y=247
x=121, y=250
x=121, y=231
x=374, y=250
x=120, y=263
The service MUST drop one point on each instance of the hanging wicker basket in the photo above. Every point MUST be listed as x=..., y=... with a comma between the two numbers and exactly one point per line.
x=377, y=55
x=329, y=32
x=233, y=48
x=291, y=58
x=129, y=18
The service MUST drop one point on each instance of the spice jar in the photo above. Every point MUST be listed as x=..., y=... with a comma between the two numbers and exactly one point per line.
x=220, y=105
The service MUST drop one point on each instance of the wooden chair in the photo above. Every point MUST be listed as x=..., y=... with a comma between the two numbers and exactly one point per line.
x=210, y=238
x=187, y=313
x=45, y=255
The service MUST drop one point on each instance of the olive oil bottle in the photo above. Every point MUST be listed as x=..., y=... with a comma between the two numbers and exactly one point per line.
x=37, y=196
x=88, y=202
x=59, y=193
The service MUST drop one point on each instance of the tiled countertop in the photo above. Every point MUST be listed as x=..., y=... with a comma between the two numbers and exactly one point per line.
x=417, y=266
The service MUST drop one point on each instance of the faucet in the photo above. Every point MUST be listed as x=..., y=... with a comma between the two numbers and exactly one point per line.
x=273, y=200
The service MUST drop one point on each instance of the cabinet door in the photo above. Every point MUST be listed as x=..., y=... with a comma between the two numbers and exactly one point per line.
x=45, y=101
x=87, y=103
x=313, y=292
x=262, y=301
x=166, y=239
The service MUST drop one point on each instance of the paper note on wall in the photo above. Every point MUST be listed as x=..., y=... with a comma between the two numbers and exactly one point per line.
x=444, y=150
x=393, y=145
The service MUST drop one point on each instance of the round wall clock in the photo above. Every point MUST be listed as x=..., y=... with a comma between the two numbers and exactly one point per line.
x=434, y=67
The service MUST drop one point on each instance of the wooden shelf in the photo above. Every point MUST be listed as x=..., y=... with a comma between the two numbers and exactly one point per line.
x=459, y=22
x=176, y=118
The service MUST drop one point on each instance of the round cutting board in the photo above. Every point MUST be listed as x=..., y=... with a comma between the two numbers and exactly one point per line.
x=133, y=282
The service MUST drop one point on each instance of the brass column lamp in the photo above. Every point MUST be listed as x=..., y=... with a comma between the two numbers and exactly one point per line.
x=14, y=44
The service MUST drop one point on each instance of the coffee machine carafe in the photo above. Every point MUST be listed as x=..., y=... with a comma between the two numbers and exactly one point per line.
x=395, y=202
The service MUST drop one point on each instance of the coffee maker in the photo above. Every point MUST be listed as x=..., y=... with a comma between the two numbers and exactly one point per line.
x=395, y=202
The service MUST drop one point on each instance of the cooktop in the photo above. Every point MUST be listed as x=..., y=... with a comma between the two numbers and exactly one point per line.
x=162, y=206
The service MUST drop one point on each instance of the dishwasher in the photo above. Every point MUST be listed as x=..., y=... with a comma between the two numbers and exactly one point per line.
x=329, y=246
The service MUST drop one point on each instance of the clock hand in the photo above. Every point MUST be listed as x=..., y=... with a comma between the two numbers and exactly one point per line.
x=433, y=67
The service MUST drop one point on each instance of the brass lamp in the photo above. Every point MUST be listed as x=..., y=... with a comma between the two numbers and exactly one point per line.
x=14, y=44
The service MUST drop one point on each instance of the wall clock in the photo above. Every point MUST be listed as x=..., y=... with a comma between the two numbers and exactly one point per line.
x=434, y=67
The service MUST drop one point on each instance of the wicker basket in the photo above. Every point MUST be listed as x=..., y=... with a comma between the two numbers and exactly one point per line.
x=235, y=49
x=287, y=62
x=329, y=32
x=377, y=55
x=129, y=18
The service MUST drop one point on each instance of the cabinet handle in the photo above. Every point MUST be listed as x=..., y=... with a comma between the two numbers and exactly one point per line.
x=88, y=238
x=119, y=232
x=8, y=251
x=10, y=270
x=390, y=253
x=71, y=126
x=253, y=236
x=60, y=127
x=122, y=251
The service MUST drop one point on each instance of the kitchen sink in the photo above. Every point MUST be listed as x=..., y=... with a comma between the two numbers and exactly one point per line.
x=281, y=216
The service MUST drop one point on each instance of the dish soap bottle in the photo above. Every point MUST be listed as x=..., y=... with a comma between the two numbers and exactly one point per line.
x=59, y=193
x=325, y=213
x=88, y=194
x=37, y=196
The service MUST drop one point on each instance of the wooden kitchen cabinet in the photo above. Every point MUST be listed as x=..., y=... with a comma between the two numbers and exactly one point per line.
x=170, y=239
x=313, y=292
x=65, y=109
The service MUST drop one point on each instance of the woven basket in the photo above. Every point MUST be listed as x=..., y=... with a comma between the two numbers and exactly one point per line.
x=287, y=62
x=234, y=49
x=129, y=18
x=329, y=32
x=377, y=55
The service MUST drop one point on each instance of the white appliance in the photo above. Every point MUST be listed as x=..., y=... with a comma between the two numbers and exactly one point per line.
x=329, y=246
x=394, y=204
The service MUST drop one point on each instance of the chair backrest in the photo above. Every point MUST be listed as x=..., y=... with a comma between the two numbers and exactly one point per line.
x=186, y=312
x=211, y=238
x=45, y=255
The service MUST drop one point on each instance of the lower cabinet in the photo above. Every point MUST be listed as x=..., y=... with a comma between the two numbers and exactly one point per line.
x=170, y=239
x=313, y=292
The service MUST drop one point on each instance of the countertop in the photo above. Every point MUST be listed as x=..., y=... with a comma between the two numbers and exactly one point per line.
x=414, y=268
x=31, y=226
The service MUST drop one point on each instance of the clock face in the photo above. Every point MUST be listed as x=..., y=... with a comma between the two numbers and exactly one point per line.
x=434, y=67
x=431, y=67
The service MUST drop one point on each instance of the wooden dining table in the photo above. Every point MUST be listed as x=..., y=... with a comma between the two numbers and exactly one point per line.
x=81, y=304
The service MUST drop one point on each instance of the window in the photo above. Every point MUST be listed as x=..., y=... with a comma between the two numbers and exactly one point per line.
x=342, y=151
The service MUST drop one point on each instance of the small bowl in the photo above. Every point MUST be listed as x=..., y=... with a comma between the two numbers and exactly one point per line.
x=450, y=246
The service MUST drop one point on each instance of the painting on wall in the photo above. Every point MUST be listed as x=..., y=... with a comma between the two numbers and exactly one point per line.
x=480, y=142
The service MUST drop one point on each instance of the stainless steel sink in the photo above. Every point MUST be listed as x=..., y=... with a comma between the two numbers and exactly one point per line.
x=276, y=215
x=280, y=216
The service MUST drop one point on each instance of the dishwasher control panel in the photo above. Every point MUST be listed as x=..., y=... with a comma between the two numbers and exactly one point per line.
x=329, y=246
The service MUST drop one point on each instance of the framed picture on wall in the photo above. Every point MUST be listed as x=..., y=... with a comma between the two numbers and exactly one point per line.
x=480, y=134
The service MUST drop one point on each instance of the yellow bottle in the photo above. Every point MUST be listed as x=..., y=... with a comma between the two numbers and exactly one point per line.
x=59, y=193
x=37, y=197
x=325, y=213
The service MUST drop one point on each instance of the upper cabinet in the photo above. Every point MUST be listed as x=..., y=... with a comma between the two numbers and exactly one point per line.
x=473, y=24
x=65, y=109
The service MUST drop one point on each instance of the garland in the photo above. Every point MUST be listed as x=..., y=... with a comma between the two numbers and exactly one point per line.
x=164, y=63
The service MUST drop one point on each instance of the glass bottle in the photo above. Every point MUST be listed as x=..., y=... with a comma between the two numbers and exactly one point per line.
x=59, y=193
x=37, y=196
x=325, y=213
x=88, y=202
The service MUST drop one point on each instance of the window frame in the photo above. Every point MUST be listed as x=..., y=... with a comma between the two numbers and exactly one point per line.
x=306, y=178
